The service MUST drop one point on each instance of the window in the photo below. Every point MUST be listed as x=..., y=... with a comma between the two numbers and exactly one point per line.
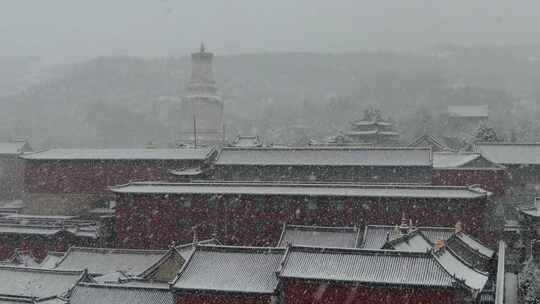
x=340, y=205
x=259, y=227
x=312, y=205
x=186, y=201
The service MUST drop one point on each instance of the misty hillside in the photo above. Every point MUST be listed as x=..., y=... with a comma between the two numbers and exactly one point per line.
x=126, y=102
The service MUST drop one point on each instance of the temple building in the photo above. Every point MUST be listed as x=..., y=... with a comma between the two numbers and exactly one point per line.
x=376, y=131
x=202, y=108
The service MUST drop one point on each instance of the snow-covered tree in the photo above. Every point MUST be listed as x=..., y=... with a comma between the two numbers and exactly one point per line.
x=529, y=284
x=485, y=133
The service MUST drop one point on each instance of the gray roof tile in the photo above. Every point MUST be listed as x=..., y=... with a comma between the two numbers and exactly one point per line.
x=315, y=236
x=321, y=189
x=121, y=154
x=511, y=153
x=325, y=156
x=106, y=260
x=367, y=266
x=231, y=269
x=120, y=294
x=37, y=283
x=375, y=236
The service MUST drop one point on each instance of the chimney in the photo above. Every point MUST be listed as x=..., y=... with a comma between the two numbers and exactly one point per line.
x=537, y=203
x=439, y=245
x=404, y=227
x=458, y=227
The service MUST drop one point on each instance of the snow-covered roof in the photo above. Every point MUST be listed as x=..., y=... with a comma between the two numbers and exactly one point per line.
x=15, y=300
x=52, y=258
x=185, y=250
x=247, y=141
x=13, y=147
x=11, y=206
x=326, y=156
x=231, y=269
x=470, y=251
x=445, y=160
x=122, y=154
x=19, y=216
x=469, y=111
x=316, y=236
x=511, y=153
x=414, y=241
x=530, y=211
x=427, y=140
x=456, y=267
x=182, y=252
x=106, y=260
x=365, y=266
x=85, y=293
x=376, y=236
x=39, y=283
x=187, y=172
x=475, y=245
x=22, y=258
x=350, y=190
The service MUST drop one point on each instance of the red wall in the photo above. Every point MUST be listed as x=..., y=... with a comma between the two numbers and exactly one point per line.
x=298, y=292
x=221, y=299
x=491, y=180
x=39, y=245
x=157, y=220
x=91, y=177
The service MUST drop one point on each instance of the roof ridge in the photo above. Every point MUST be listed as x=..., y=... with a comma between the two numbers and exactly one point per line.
x=117, y=250
x=42, y=270
x=360, y=251
x=315, y=148
x=323, y=228
x=123, y=286
x=238, y=249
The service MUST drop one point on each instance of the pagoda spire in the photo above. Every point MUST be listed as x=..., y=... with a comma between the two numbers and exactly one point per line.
x=202, y=47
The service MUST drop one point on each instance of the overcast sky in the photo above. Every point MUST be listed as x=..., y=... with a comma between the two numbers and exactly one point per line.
x=81, y=29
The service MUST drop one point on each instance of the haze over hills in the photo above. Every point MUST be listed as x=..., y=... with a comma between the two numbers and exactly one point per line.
x=126, y=101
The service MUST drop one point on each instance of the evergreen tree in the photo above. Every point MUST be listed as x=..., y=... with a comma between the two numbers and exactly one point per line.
x=485, y=133
x=529, y=284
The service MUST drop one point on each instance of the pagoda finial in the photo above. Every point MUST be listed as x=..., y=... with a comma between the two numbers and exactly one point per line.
x=202, y=47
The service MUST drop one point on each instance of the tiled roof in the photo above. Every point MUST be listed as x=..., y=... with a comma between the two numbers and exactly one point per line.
x=344, y=237
x=375, y=236
x=414, y=241
x=37, y=283
x=111, y=278
x=181, y=252
x=461, y=159
x=511, y=153
x=320, y=189
x=15, y=300
x=470, y=251
x=121, y=154
x=231, y=269
x=185, y=250
x=365, y=266
x=49, y=262
x=475, y=245
x=106, y=260
x=119, y=294
x=48, y=230
x=456, y=267
x=325, y=156
x=427, y=140
x=469, y=111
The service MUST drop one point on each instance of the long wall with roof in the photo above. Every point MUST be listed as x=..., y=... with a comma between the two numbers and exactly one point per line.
x=159, y=217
